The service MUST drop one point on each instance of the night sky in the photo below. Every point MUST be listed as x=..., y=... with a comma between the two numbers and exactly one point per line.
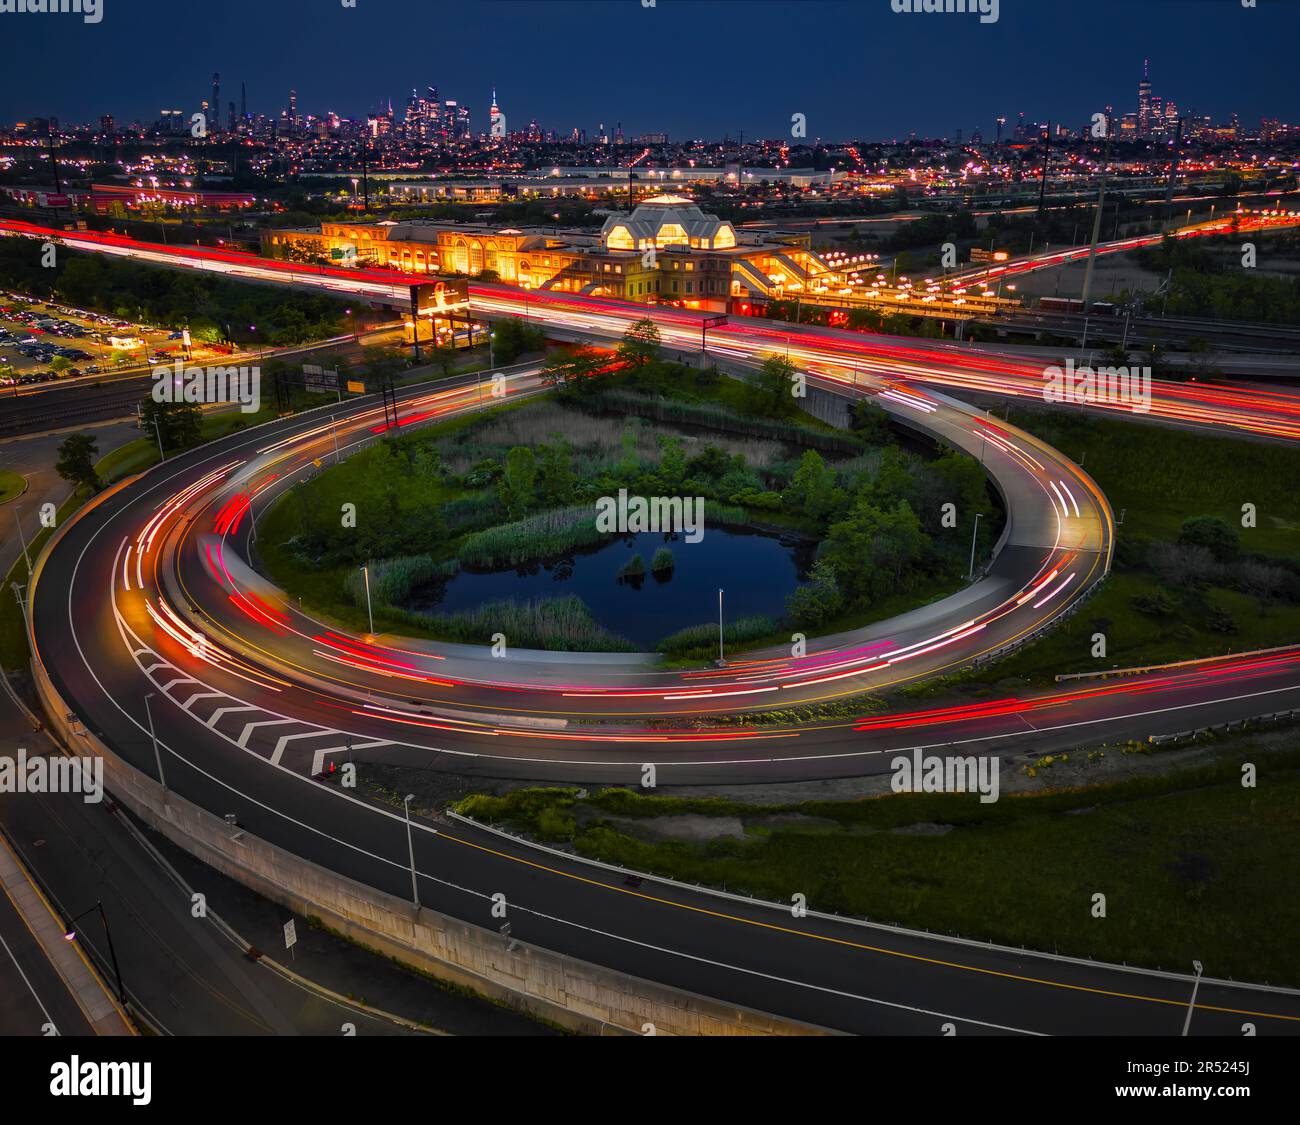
x=691, y=68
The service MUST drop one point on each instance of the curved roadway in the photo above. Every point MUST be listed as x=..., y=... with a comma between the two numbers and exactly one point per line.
x=148, y=592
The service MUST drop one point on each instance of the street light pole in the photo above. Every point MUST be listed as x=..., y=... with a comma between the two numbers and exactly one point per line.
x=1187, y=1023
x=71, y=935
x=22, y=605
x=721, y=655
x=365, y=570
x=410, y=847
x=157, y=756
x=26, y=557
x=973, y=536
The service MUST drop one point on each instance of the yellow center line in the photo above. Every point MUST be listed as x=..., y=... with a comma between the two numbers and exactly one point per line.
x=854, y=944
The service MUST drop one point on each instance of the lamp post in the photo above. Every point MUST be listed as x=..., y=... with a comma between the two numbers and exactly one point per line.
x=23, y=538
x=70, y=934
x=365, y=571
x=721, y=655
x=157, y=755
x=410, y=848
x=22, y=605
x=1191, y=1004
x=974, y=534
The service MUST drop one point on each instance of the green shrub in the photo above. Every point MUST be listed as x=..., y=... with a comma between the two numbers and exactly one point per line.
x=702, y=640
x=544, y=535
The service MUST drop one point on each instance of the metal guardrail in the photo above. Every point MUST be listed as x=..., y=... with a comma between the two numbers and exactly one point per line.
x=1144, y=669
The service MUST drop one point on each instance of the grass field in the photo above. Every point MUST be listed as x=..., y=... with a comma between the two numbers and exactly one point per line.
x=11, y=485
x=1193, y=865
x=1158, y=478
x=1164, y=476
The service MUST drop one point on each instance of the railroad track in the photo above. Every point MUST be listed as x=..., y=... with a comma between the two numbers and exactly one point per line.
x=55, y=409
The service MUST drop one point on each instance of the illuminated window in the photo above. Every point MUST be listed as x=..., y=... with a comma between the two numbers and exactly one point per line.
x=620, y=238
x=671, y=234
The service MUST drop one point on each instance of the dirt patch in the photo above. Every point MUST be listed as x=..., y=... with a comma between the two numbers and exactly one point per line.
x=923, y=829
x=690, y=827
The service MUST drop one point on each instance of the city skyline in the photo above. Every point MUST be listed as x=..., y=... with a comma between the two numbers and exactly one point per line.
x=838, y=102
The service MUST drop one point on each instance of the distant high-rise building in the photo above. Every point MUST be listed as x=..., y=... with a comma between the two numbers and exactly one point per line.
x=496, y=121
x=1001, y=122
x=231, y=122
x=1144, y=101
x=423, y=115
x=243, y=103
x=106, y=125
x=293, y=109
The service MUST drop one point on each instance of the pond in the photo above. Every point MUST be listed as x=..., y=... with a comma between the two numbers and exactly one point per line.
x=757, y=570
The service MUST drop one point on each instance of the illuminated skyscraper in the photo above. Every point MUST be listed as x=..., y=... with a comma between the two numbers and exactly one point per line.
x=1144, y=102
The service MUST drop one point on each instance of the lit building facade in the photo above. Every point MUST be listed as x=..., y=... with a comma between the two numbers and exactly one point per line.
x=666, y=250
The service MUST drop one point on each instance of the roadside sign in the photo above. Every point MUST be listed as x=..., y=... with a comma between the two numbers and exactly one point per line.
x=290, y=934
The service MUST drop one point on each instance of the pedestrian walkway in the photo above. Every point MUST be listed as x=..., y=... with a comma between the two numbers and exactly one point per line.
x=99, y=1008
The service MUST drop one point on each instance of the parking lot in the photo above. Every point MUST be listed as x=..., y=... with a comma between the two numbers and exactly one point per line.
x=46, y=342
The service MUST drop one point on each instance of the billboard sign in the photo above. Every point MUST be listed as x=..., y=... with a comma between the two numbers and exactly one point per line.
x=442, y=296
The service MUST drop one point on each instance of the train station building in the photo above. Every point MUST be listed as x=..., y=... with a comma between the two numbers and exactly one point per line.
x=665, y=251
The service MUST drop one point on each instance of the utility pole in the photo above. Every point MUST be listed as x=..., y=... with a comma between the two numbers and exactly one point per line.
x=1096, y=226
x=1173, y=173
x=54, y=160
x=365, y=183
x=721, y=654
x=1047, y=152
x=415, y=320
